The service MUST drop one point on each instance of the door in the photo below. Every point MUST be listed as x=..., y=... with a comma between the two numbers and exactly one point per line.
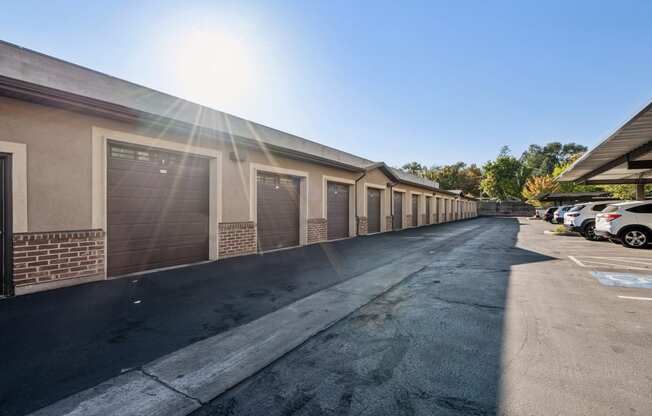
x=397, y=220
x=373, y=210
x=337, y=210
x=157, y=209
x=6, y=285
x=415, y=210
x=277, y=211
x=428, y=213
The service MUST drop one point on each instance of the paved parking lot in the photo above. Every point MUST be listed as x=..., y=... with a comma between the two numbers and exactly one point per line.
x=502, y=321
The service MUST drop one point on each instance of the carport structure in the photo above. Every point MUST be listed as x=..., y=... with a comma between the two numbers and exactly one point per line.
x=625, y=157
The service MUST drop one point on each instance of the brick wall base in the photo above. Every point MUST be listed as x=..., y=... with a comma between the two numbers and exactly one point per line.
x=408, y=221
x=236, y=239
x=46, y=257
x=317, y=230
x=389, y=224
x=363, y=226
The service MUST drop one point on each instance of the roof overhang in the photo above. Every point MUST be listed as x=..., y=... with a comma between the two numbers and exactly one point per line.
x=624, y=157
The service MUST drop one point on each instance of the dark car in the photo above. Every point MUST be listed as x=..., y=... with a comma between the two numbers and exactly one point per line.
x=547, y=216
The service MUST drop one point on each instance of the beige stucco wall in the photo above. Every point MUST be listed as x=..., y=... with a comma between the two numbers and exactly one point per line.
x=59, y=168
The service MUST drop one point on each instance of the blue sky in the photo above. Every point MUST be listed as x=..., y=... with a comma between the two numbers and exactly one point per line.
x=434, y=82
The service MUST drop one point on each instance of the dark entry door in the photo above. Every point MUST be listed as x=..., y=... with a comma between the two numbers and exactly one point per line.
x=397, y=220
x=6, y=287
x=278, y=211
x=428, y=213
x=157, y=209
x=415, y=210
x=373, y=210
x=338, y=210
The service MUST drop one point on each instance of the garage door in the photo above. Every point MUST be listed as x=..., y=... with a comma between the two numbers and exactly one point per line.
x=157, y=209
x=337, y=210
x=428, y=213
x=373, y=210
x=397, y=220
x=278, y=211
x=415, y=210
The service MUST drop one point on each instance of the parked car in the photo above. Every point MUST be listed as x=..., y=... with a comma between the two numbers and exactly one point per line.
x=628, y=223
x=547, y=216
x=581, y=218
x=558, y=216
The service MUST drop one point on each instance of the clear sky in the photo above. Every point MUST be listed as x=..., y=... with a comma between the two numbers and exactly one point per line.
x=397, y=81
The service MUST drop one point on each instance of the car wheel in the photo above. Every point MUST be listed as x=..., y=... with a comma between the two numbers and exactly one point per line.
x=588, y=232
x=635, y=238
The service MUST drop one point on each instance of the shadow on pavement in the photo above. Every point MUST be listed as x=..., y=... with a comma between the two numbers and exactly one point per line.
x=432, y=345
x=59, y=342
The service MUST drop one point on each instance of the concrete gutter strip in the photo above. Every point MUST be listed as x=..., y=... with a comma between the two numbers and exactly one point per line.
x=180, y=382
x=132, y=393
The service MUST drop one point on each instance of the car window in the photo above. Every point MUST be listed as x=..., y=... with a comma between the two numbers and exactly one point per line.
x=610, y=208
x=577, y=208
x=599, y=207
x=642, y=209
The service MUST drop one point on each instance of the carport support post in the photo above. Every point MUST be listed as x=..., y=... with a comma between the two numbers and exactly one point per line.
x=640, y=191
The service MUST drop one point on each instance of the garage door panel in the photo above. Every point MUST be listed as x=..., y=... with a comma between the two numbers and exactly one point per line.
x=337, y=210
x=157, y=209
x=373, y=210
x=415, y=210
x=397, y=221
x=278, y=211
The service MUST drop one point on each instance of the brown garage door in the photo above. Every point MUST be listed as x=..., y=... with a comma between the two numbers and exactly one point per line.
x=373, y=210
x=397, y=220
x=415, y=210
x=157, y=209
x=428, y=213
x=278, y=211
x=338, y=210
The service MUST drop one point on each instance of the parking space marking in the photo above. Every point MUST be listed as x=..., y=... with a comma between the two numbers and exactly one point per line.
x=630, y=263
x=634, y=297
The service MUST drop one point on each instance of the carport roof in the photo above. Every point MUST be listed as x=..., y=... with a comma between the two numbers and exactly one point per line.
x=611, y=160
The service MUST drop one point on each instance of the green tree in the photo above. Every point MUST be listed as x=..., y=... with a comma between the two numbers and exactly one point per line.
x=542, y=160
x=457, y=176
x=504, y=177
x=414, y=168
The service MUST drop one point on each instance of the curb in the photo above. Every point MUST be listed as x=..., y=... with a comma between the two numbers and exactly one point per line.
x=181, y=382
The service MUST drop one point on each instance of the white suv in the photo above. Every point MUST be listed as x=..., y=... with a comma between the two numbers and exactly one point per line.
x=581, y=218
x=629, y=223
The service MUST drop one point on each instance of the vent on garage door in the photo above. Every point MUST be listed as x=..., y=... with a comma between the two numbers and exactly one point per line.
x=278, y=211
x=415, y=210
x=157, y=209
x=397, y=220
x=337, y=210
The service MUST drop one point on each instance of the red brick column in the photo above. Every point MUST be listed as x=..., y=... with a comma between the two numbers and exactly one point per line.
x=236, y=239
x=42, y=257
x=389, y=224
x=317, y=230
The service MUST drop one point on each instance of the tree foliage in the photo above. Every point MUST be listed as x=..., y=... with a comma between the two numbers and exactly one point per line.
x=504, y=177
x=537, y=185
x=542, y=160
x=457, y=176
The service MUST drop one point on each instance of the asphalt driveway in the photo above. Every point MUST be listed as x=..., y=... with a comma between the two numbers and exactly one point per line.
x=59, y=342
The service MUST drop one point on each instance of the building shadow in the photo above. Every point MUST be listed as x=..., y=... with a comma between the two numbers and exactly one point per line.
x=433, y=345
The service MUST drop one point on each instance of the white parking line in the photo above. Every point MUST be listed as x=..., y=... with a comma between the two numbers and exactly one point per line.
x=634, y=298
x=587, y=262
x=579, y=263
